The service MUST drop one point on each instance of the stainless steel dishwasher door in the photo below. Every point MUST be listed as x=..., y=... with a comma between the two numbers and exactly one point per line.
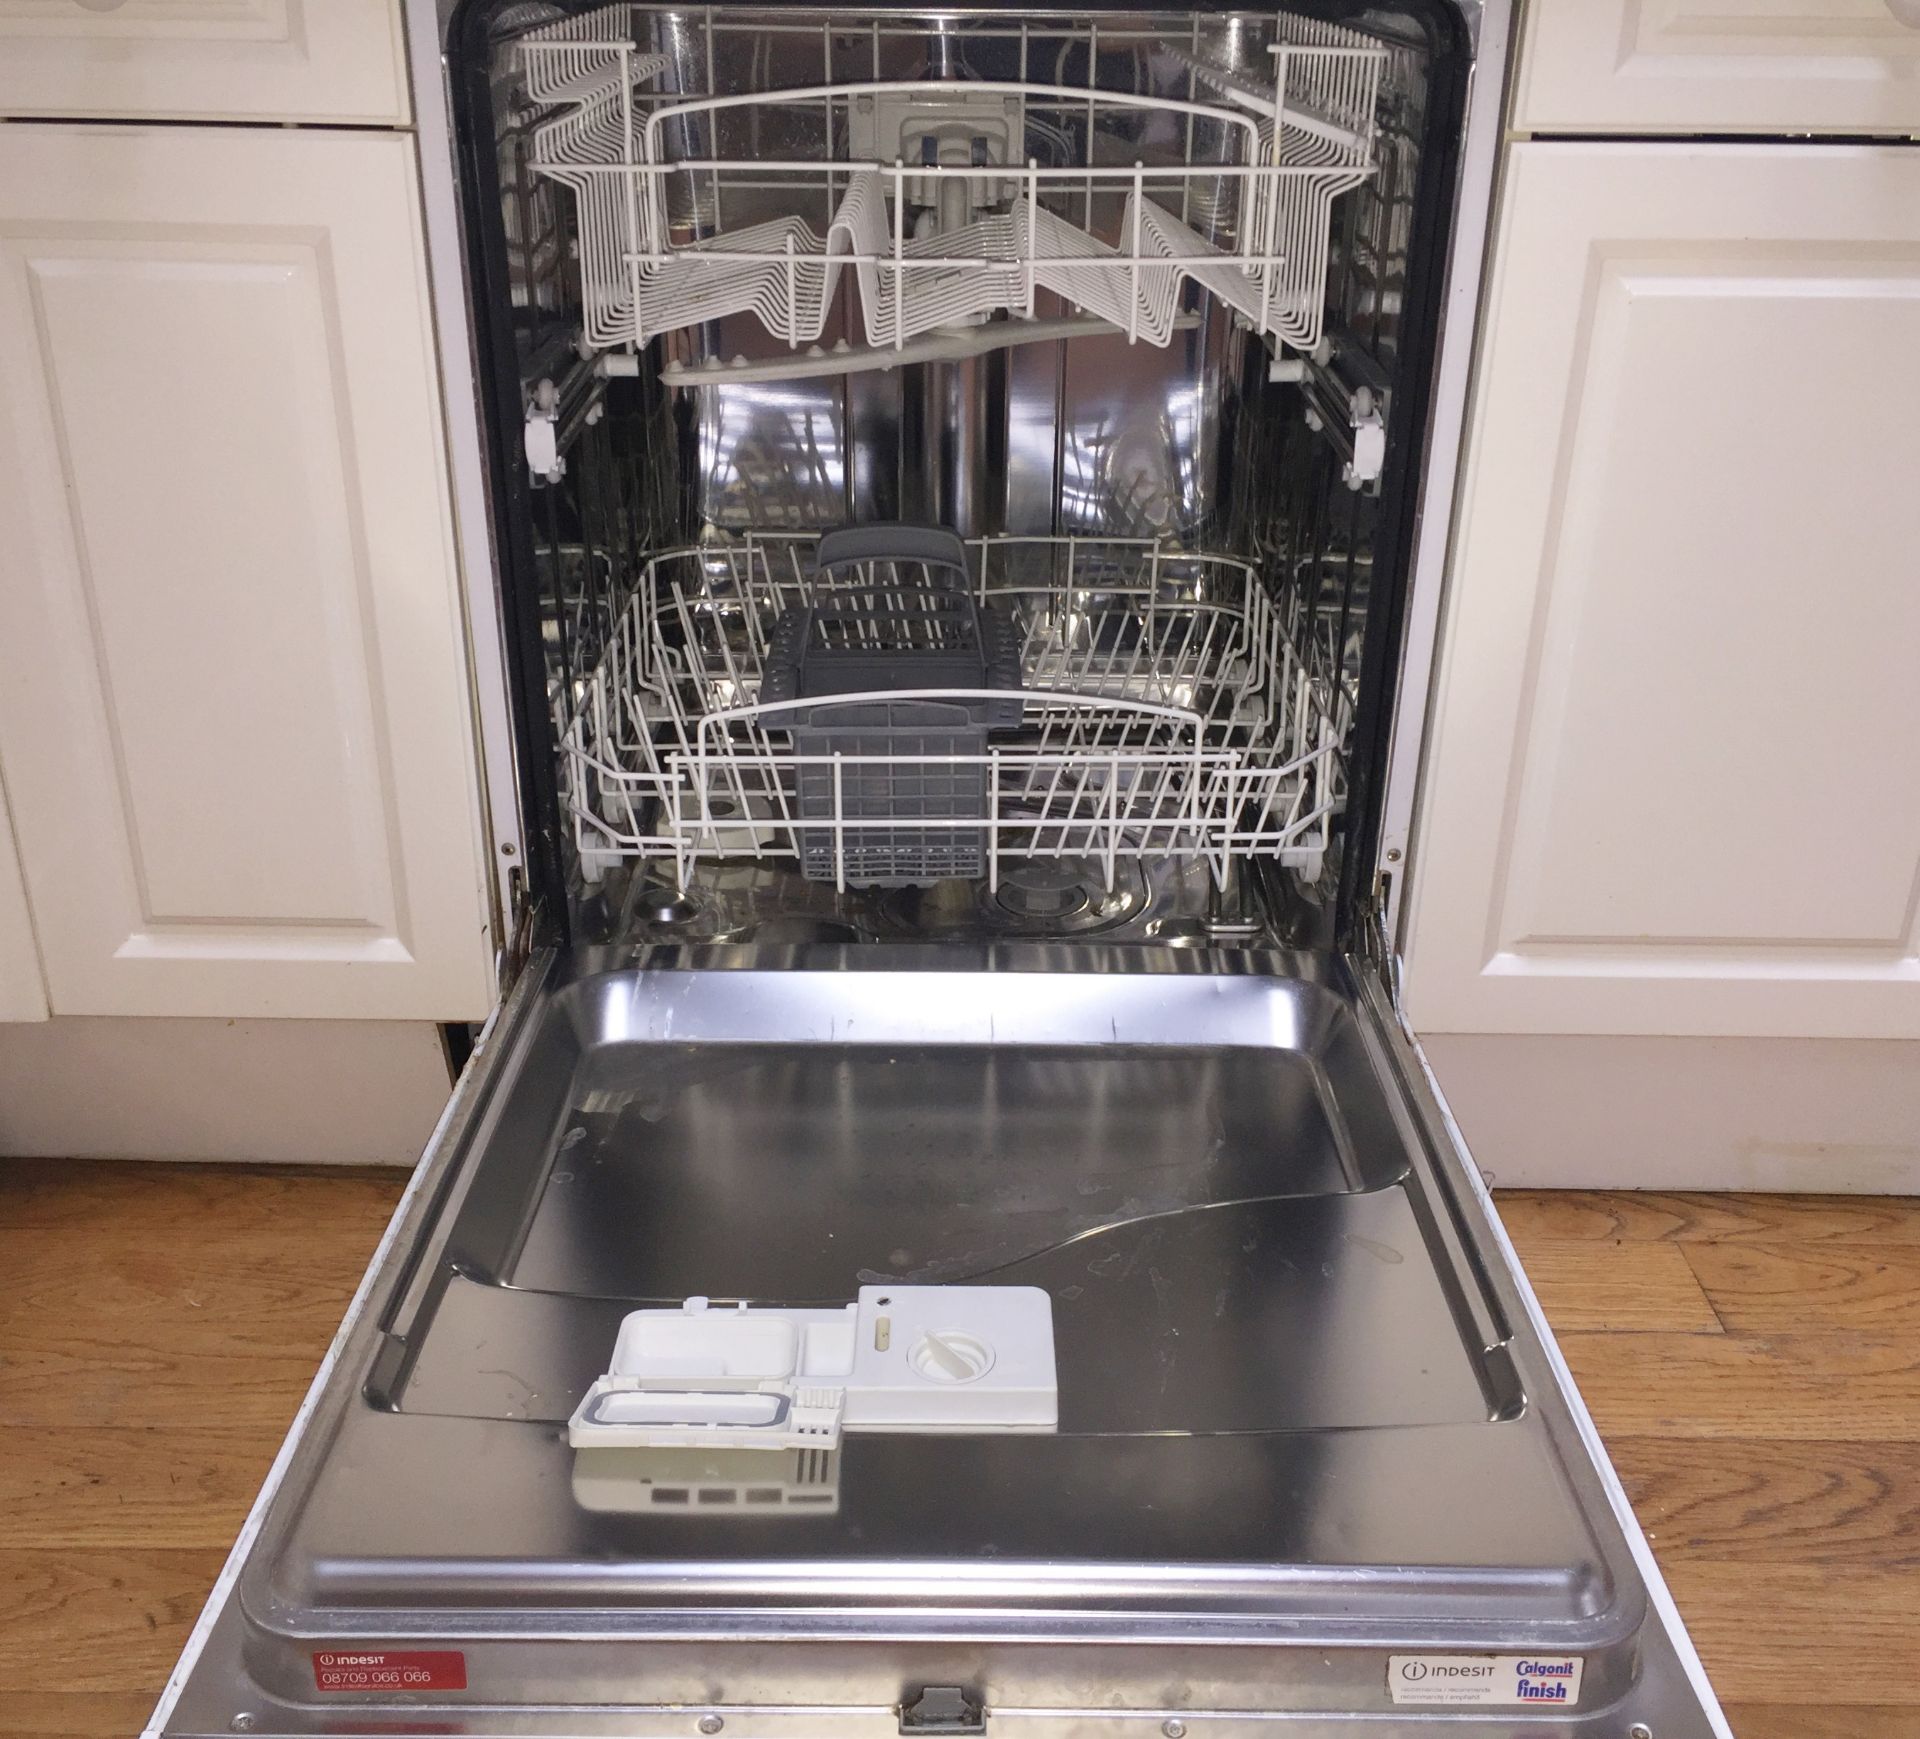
x=1311, y=1436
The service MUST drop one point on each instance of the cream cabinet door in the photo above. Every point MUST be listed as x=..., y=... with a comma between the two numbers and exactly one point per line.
x=233, y=701
x=21, y=994
x=1719, y=66
x=280, y=60
x=1673, y=775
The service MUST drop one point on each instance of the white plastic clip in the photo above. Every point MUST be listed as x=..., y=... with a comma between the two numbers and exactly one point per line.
x=1369, y=442
x=543, y=434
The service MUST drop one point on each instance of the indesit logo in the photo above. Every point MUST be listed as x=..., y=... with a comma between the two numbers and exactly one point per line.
x=1419, y=1669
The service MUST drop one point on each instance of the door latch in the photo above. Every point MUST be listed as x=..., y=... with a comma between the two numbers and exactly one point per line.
x=943, y=1709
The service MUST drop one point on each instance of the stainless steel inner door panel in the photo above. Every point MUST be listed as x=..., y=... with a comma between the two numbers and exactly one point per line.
x=1306, y=1427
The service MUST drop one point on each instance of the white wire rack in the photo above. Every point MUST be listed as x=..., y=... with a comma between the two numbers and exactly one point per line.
x=935, y=243
x=1166, y=712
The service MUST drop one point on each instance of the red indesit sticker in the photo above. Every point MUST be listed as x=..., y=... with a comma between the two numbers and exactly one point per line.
x=390, y=1669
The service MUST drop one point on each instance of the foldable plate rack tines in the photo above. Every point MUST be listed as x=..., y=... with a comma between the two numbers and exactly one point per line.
x=1015, y=190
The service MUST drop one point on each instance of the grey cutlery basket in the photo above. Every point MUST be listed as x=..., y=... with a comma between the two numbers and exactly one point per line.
x=891, y=781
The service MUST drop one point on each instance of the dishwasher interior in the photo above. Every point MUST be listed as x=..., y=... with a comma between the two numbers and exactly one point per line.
x=1129, y=302
x=945, y=1234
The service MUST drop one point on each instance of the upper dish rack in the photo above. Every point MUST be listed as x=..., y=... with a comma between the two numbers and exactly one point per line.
x=953, y=199
x=1163, y=710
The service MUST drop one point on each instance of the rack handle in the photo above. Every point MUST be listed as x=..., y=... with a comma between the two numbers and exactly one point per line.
x=1044, y=699
x=934, y=545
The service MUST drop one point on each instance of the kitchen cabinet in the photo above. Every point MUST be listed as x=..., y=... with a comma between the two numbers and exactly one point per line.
x=226, y=60
x=1720, y=66
x=22, y=997
x=1671, y=781
x=234, y=713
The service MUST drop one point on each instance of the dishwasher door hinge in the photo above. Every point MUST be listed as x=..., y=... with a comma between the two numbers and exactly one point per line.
x=1374, y=936
x=522, y=925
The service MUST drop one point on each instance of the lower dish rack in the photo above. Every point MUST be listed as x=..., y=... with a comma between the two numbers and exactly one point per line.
x=1164, y=710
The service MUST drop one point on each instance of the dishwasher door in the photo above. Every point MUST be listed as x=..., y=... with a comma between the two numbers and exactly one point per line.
x=1317, y=1465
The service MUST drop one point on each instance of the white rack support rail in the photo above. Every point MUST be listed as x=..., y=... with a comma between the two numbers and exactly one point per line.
x=1168, y=711
x=650, y=265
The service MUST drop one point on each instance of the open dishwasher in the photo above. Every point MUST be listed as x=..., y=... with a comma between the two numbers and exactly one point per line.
x=945, y=1232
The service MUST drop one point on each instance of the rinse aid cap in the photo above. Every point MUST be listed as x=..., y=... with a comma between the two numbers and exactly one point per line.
x=900, y=1358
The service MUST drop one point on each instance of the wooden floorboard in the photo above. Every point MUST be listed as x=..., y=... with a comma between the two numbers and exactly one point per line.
x=159, y=1325
x=1774, y=1288
x=1846, y=1386
x=1615, y=1288
x=1754, y=1363
x=143, y=1485
x=1770, y=1617
x=1771, y=1453
x=1764, y=1501
x=1641, y=1216
x=99, y=1618
x=65, y=1714
x=1805, y=1721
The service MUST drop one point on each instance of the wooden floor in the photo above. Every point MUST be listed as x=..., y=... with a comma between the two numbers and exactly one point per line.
x=1754, y=1363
